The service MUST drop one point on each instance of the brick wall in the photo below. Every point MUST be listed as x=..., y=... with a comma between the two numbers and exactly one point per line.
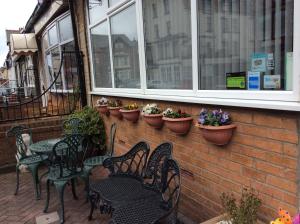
x=263, y=154
x=41, y=129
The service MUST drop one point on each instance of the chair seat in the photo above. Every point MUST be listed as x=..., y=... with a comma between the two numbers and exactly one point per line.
x=118, y=189
x=145, y=211
x=95, y=161
x=33, y=159
x=54, y=174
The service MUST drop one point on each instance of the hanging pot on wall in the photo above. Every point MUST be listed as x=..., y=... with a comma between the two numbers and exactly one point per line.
x=180, y=126
x=115, y=111
x=154, y=120
x=102, y=109
x=131, y=115
x=218, y=135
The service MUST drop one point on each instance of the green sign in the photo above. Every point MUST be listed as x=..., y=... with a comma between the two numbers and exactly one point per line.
x=236, y=80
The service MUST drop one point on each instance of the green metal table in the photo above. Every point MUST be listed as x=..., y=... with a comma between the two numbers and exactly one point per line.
x=44, y=146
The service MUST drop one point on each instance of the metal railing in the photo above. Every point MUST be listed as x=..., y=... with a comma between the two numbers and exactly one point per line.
x=55, y=100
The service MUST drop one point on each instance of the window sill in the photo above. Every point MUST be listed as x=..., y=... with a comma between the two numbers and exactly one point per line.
x=262, y=104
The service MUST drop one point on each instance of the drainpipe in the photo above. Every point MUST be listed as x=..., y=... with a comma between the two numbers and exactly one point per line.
x=78, y=56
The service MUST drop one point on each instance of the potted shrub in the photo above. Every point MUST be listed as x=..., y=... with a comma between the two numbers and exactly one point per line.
x=131, y=112
x=216, y=126
x=114, y=107
x=177, y=121
x=243, y=211
x=92, y=127
x=101, y=105
x=153, y=115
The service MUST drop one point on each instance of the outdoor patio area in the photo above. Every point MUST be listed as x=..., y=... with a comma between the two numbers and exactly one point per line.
x=23, y=208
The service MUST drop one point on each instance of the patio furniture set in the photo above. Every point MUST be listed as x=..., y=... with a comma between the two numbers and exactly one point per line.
x=139, y=188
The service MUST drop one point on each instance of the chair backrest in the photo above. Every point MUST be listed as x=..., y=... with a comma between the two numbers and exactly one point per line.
x=73, y=126
x=171, y=180
x=111, y=145
x=66, y=158
x=132, y=163
x=17, y=132
x=155, y=165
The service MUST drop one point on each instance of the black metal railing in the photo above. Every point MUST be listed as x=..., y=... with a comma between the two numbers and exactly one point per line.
x=61, y=97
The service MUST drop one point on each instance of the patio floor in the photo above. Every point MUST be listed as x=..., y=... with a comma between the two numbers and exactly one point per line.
x=23, y=208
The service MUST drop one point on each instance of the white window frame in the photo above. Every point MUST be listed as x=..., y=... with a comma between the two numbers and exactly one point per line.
x=58, y=45
x=282, y=100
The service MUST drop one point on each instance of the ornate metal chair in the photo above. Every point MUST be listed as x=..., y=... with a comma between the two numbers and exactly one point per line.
x=154, y=210
x=92, y=162
x=32, y=162
x=65, y=167
x=116, y=190
x=73, y=125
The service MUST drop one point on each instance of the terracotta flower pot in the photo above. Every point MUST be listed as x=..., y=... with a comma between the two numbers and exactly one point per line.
x=131, y=115
x=115, y=111
x=220, y=135
x=102, y=109
x=180, y=126
x=154, y=120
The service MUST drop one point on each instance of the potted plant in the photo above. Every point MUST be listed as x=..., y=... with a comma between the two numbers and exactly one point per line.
x=177, y=121
x=153, y=115
x=216, y=126
x=92, y=127
x=243, y=211
x=114, y=107
x=131, y=112
x=101, y=105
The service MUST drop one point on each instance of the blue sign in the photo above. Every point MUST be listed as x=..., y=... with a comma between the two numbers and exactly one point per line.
x=253, y=80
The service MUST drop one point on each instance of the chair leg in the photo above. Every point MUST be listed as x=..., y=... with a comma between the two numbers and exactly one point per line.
x=86, y=177
x=60, y=187
x=74, y=189
x=34, y=171
x=48, y=197
x=18, y=177
x=93, y=198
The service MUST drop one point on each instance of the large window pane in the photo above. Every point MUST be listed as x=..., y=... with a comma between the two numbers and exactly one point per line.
x=125, y=49
x=168, y=44
x=65, y=29
x=53, y=62
x=113, y=2
x=53, y=36
x=101, y=56
x=97, y=10
x=245, y=44
x=70, y=66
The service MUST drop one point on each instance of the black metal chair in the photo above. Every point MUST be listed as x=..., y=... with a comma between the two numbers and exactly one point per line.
x=154, y=210
x=32, y=162
x=65, y=166
x=116, y=190
x=92, y=162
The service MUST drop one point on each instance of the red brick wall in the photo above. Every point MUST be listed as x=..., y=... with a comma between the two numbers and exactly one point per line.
x=41, y=129
x=263, y=154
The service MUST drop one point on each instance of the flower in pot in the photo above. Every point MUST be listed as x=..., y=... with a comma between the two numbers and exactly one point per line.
x=216, y=126
x=177, y=121
x=153, y=115
x=131, y=112
x=242, y=212
x=114, y=107
x=101, y=105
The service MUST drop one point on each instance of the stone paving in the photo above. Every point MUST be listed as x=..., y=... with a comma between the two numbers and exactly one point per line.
x=23, y=208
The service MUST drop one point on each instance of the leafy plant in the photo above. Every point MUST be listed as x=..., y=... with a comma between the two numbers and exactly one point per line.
x=244, y=211
x=92, y=125
x=115, y=103
x=175, y=114
x=151, y=109
x=132, y=106
x=214, y=118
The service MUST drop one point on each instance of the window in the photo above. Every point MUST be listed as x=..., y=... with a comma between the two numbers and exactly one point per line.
x=200, y=49
x=246, y=54
x=60, y=36
x=174, y=44
x=101, y=55
x=114, y=45
x=96, y=10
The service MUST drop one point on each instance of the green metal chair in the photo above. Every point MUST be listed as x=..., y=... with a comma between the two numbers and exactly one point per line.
x=92, y=162
x=65, y=167
x=73, y=125
x=32, y=162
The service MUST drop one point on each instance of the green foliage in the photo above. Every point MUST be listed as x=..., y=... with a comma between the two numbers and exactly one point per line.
x=244, y=212
x=92, y=126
